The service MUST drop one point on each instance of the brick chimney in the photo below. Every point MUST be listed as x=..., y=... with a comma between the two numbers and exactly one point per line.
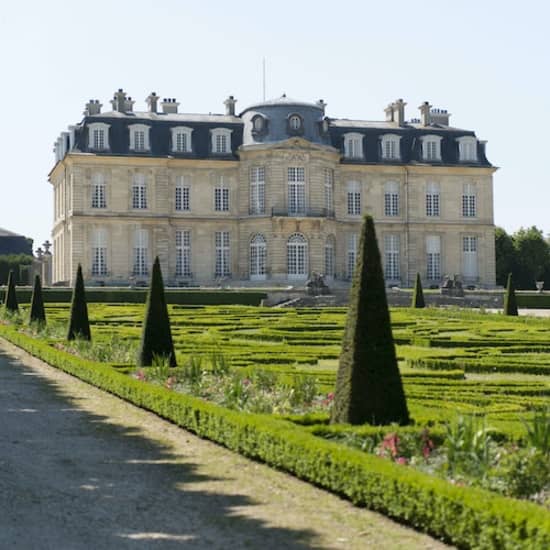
x=425, y=109
x=169, y=105
x=119, y=101
x=230, y=106
x=440, y=116
x=152, y=101
x=93, y=107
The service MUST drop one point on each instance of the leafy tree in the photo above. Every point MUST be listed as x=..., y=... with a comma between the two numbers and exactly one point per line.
x=533, y=257
x=156, y=336
x=37, y=313
x=510, y=303
x=505, y=255
x=368, y=384
x=10, y=301
x=418, y=294
x=13, y=262
x=79, y=326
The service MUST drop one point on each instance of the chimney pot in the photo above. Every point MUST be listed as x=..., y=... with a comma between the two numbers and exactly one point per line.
x=169, y=105
x=93, y=107
x=425, y=118
x=230, y=106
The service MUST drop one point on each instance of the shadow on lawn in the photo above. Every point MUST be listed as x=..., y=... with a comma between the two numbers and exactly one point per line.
x=71, y=479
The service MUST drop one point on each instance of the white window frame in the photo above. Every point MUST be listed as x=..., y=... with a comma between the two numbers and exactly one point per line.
x=296, y=189
x=330, y=257
x=135, y=131
x=431, y=148
x=99, y=252
x=297, y=257
x=222, y=241
x=351, y=256
x=258, y=257
x=353, y=198
x=392, y=257
x=433, y=200
x=139, y=192
x=329, y=191
x=470, y=266
x=391, y=199
x=257, y=190
x=390, y=149
x=433, y=257
x=182, y=139
x=469, y=200
x=183, y=253
x=98, y=136
x=221, y=141
x=182, y=194
x=221, y=196
x=353, y=145
x=141, y=253
x=99, y=190
x=295, y=122
x=467, y=149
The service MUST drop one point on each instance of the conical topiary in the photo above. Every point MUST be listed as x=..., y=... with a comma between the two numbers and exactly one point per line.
x=418, y=294
x=37, y=313
x=510, y=303
x=10, y=301
x=79, y=326
x=368, y=384
x=156, y=337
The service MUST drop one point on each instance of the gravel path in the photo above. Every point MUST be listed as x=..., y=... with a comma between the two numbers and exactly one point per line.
x=80, y=468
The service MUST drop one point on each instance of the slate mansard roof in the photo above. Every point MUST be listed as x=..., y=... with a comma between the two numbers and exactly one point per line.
x=316, y=127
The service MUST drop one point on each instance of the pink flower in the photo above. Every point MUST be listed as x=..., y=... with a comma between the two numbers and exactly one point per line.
x=401, y=460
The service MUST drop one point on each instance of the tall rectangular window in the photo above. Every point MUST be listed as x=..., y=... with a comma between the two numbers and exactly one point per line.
x=98, y=139
x=99, y=253
x=433, y=257
x=183, y=253
x=329, y=191
x=182, y=194
x=330, y=256
x=221, y=196
x=296, y=190
x=354, y=198
x=139, y=192
x=181, y=142
x=141, y=252
x=391, y=257
x=353, y=240
x=98, y=191
x=469, y=255
x=432, y=200
x=257, y=190
x=391, y=199
x=139, y=140
x=469, y=206
x=223, y=266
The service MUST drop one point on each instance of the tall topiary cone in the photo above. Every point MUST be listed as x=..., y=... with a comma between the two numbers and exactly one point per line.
x=156, y=337
x=368, y=384
x=510, y=303
x=79, y=326
x=10, y=301
x=38, y=313
x=418, y=294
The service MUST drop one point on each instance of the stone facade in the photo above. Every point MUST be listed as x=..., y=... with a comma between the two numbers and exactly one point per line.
x=274, y=207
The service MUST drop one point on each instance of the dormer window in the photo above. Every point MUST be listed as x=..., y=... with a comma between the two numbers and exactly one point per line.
x=353, y=146
x=467, y=149
x=258, y=123
x=221, y=141
x=431, y=148
x=181, y=139
x=98, y=136
x=390, y=147
x=295, y=124
x=139, y=138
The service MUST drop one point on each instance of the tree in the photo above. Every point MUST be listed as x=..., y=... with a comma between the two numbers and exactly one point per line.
x=418, y=294
x=10, y=301
x=510, y=303
x=505, y=255
x=156, y=336
x=79, y=326
x=533, y=257
x=368, y=384
x=37, y=313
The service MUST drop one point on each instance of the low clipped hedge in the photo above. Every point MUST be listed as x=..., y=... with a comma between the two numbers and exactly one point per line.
x=138, y=296
x=481, y=365
x=533, y=301
x=466, y=517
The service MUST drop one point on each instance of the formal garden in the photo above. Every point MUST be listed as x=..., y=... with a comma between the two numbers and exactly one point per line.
x=456, y=441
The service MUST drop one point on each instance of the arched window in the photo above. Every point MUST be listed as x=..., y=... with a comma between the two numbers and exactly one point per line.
x=297, y=256
x=258, y=257
x=295, y=123
x=330, y=257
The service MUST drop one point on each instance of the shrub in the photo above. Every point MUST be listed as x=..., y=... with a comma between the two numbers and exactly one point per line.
x=37, y=313
x=538, y=431
x=510, y=303
x=156, y=337
x=10, y=303
x=79, y=325
x=368, y=383
x=418, y=294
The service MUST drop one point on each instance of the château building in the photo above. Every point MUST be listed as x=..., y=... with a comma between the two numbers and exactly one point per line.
x=269, y=195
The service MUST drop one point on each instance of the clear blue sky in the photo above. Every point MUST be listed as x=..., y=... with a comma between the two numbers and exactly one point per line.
x=487, y=62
